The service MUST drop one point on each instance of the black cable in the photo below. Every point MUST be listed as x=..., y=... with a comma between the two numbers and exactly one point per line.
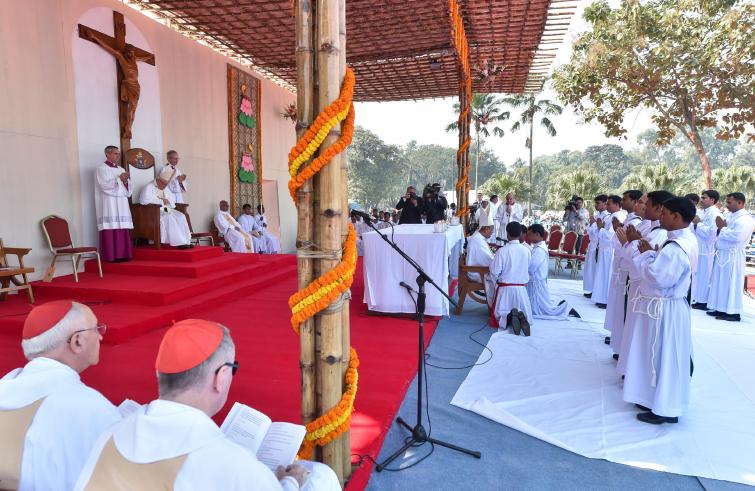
x=427, y=356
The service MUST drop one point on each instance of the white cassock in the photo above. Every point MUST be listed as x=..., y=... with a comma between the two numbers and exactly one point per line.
x=273, y=245
x=617, y=289
x=510, y=269
x=705, y=231
x=537, y=288
x=728, y=277
x=174, y=229
x=659, y=361
x=604, y=266
x=64, y=429
x=656, y=236
x=176, y=187
x=503, y=217
x=111, y=198
x=165, y=431
x=591, y=257
x=496, y=226
x=479, y=254
x=238, y=240
x=249, y=225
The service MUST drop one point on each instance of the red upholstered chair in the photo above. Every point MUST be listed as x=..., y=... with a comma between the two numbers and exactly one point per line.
x=555, y=227
x=578, y=258
x=567, y=250
x=61, y=245
x=554, y=243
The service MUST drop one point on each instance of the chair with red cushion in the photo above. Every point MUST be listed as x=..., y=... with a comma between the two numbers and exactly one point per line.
x=567, y=249
x=555, y=227
x=578, y=258
x=196, y=237
x=61, y=245
x=554, y=243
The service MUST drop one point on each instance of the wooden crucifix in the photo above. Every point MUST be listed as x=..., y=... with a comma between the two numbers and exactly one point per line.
x=127, y=56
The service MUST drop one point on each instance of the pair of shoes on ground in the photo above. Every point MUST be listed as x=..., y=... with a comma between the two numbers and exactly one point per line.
x=572, y=312
x=519, y=322
x=723, y=316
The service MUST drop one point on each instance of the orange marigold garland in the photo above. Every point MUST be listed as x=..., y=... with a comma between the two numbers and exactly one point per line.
x=316, y=296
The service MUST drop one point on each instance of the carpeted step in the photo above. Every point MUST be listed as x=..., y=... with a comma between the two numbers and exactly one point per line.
x=178, y=255
x=183, y=269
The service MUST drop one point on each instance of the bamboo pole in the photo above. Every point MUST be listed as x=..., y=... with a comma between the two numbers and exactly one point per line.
x=329, y=191
x=345, y=221
x=305, y=107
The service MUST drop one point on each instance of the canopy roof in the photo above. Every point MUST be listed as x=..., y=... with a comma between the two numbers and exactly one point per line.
x=399, y=49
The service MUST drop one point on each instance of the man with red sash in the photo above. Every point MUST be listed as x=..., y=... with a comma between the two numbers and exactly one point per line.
x=509, y=269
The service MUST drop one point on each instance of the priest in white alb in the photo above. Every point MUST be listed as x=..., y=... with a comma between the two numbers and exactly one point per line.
x=604, y=267
x=174, y=229
x=273, y=244
x=252, y=228
x=537, y=287
x=509, y=270
x=178, y=184
x=705, y=228
x=479, y=254
x=591, y=255
x=230, y=229
x=508, y=212
x=485, y=214
x=50, y=420
x=659, y=363
x=172, y=442
x=727, y=280
x=112, y=188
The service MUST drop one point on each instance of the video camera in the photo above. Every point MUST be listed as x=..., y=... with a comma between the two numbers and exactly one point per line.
x=572, y=203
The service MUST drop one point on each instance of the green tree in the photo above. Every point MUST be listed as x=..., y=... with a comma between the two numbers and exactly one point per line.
x=690, y=61
x=584, y=183
x=533, y=108
x=735, y=179
x=504, y=183
x=377, y=172
x=429, y=163
x=486, y=110
x=611, y=161
x=674, y=179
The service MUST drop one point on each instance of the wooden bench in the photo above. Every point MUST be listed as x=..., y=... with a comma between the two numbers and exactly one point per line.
x=8, y=273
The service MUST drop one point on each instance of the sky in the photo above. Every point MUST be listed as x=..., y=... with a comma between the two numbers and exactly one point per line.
x=425, y=121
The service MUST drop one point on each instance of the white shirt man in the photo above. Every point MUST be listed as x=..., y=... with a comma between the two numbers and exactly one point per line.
x=174, y=229
x=705, y=230
x=50, y=420
x=252, y=228
x=111, y=192
x=727, y=280
x=508, y=212
x=537, y=287
x=178, y=184
x=591, y=258
x=658, y=367
x=273, y=244
x=175, y=434
x=509, y=270
x=604, y=266
x=230, y=229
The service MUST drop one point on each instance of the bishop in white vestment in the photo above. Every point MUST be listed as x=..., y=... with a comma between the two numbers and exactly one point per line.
x=230, y=229
x=174, y=229
x=727, y=280
x=706, y=232
x=509, y=270
x=537, y=287
x=273, y=244
x=112, y=188
x=659, y=365
x=507, y=212
x=479, y=254
x=50, y=420
x=179, y=183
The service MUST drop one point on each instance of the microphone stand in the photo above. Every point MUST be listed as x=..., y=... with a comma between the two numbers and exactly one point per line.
x=419, y=434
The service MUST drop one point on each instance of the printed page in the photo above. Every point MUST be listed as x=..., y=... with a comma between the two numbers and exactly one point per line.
x=281, y=444
x=246, y=426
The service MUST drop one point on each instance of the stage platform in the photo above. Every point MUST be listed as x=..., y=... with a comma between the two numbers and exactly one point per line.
x=246, y=292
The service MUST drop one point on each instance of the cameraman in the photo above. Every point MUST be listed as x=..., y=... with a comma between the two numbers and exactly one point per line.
x=435, y=203
x=576, y=218
x=410, y=206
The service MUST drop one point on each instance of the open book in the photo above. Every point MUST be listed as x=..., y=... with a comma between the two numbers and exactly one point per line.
x=274, y=444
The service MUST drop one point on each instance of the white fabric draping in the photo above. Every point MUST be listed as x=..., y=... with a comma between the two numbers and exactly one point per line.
x=560, y=385
x=384, y=268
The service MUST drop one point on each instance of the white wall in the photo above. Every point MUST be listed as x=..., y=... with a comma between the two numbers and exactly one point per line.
x=40, y=170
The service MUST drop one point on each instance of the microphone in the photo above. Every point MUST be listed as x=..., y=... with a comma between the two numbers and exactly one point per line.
x=406, y=286
x=366, y=216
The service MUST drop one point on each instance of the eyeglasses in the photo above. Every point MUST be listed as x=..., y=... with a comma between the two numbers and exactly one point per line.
x=234, y=367
x=101, y=328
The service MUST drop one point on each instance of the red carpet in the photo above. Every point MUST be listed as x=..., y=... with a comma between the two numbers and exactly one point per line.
x=250, y=297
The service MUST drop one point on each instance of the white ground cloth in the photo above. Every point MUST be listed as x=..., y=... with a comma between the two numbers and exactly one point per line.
x=560, y=385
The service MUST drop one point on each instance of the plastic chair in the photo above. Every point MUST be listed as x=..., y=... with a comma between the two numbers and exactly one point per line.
x=60, y=243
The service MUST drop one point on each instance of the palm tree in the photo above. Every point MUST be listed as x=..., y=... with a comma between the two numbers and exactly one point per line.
x=584, y=183
x=486, y=109
x=502, y=184
x=533, y=107
x=735, y=179
x=646, y=178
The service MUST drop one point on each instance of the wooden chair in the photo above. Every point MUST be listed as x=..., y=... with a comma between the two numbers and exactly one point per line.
x=146, y=220
x=8, y=273
x=61, y=245
x=567, y=250
x=196, y=237
x=468, y=287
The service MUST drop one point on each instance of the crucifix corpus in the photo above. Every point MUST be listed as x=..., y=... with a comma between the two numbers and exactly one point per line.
x=127, y=56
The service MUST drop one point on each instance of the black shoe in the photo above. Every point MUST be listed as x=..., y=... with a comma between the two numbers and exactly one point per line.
x=654, y=419
x=607, y=340
x=185, y=246
x=616, y=356
x=729, y=317
x=524, y=323
x=574, y=313
x=588, y=295
x=600, y=305
x=640, y=406
x=715, y=313
x=700, y=306
x=515, y=321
